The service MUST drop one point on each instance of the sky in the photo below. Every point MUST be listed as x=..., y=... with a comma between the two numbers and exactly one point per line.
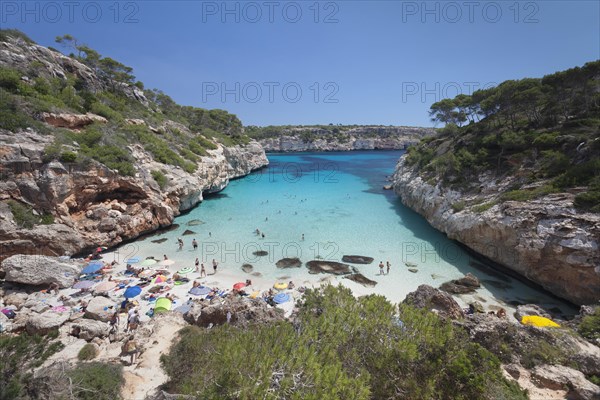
x=322, y=62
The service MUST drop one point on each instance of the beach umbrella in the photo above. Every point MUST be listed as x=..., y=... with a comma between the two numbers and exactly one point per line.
x=104, y=286
x=132, y=260
x=280, y=298
x=200, y=291
x=162, y=304
x=147, y=262
x=159, y=279
x=239, y=285
x=166, y=262
x=132, y=291
x=538, y=321
x=185, y=270
x=83, y=284
x=280, y=286
x=91, y=268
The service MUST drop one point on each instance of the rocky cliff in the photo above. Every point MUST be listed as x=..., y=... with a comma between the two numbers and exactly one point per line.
x=545, y=240
x=95, y=206
x=343, y=139
x=47, y=99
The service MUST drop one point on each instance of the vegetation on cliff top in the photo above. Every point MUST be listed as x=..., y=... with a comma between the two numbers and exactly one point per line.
x=339, y=347
x=173, y=134
x=543, y=132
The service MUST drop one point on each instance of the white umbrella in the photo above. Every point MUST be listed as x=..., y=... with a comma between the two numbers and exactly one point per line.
x=166, y=262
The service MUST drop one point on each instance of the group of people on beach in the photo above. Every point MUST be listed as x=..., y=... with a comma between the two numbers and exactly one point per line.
x=381, y=267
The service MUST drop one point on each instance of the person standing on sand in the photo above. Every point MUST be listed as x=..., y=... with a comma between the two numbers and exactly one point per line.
x=388, y=267
x=180, y=241
x=195, y=244
x=197, y=265
x=165, y=258
x=215, y=264
x=203, y=270
x=380, y=267
x=130, y=348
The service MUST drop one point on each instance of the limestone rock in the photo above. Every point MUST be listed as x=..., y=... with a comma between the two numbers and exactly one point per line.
x=39, y=270
x=247, y=268
x=289, y=263
x=100, y=308
x=89, y=329
x=357, y=259
x=16, y=299
x=72, y=121
x=433, y=299
x=327, y=267
x=243, y=312
x=560, y=377
x=41, y=324
x=466, y=284
x=363, y=280
x=530, y=309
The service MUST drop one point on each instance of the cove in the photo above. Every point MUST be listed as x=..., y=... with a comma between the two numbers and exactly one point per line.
x=337, y=201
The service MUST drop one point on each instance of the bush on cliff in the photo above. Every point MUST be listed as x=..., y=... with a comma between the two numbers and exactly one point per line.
x=340, y=347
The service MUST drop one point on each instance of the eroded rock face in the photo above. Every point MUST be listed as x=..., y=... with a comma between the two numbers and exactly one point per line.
x=435, y=300
x=99, y=308
x=72, y=121
x=560, y=377
x=88, y=329
x=545, y=240
x=359, y=138
x=40, y=270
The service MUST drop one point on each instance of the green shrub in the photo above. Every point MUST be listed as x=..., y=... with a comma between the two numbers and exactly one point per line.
x=68, y=157
x=589, y=327
x=483, y=207
x=542, y=353
x=554, y=162
x=23, y=215
x=47, y=219
x=10, y=80
x=97, y=381
x=340, y=347
x=458, y=206
x=14, y=33
x=160, y=178
x=105, y=111
x=87, y=352
x=589, y=201
x=528, y=194
x=19, y=355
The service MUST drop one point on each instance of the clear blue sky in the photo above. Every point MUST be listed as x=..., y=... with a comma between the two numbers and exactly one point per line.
x=384, y=62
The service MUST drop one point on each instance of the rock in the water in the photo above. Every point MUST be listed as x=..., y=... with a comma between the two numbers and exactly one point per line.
x=357, y=259
x=257, y=274
x=247, y=268
x=558, y=377
x=433, y=299
x=436, y=276
x=530, y=309
x=194, y=222
x=188, y=232
x=410, y=264
x=88, y=329
x=100, y=308
x=261, y=253
x=159, y=240
x=467, y=284
x=363, y=280
x=289, y=263
x=413, y=270
x=39, y=270
x=387, y=187
x=327, y=267
x=41, y=324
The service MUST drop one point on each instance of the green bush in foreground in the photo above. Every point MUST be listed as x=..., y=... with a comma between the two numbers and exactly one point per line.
x=97, y=381
x=339, y=348
x=87, y=352
x=590, y=325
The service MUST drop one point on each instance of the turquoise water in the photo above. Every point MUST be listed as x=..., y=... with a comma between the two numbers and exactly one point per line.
x=338, y=202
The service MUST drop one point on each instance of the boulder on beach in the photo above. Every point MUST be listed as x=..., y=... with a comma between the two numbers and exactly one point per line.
x=260, y=253
x=363, y=280
x=100, y=308
x=40, y=270
x=41, y=324
x=188, y=232
x=357, y=259
x=159, y=240
x=247, y=268
x=289, y=263
x=435, y=300
x=467, y=284
x=88, y=329
x=328, y=267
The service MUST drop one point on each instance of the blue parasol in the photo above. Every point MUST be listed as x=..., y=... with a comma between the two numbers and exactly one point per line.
x=91, y=268
x=132, y=292
x=132, y=260
x=200, y=291
x=281, y=298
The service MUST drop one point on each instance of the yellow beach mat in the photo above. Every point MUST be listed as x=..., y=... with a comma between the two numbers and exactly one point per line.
x=280, y=285
x=539, y=321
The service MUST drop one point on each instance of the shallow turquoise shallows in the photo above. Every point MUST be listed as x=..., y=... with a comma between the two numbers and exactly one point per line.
x=337, y=201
